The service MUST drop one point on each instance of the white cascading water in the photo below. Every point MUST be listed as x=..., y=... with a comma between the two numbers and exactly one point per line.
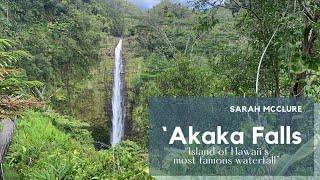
x=117, y=99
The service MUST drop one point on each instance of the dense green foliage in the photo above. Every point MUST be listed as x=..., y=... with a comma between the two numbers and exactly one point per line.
x=70, y=46
x=48, y=146
x=13, y=81
x=62, y=53
x=216, y=49
x=65, y=39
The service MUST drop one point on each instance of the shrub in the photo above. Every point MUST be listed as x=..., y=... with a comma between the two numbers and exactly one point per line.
x=48, y=146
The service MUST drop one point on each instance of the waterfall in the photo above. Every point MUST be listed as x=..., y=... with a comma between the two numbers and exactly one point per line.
x=118, y=110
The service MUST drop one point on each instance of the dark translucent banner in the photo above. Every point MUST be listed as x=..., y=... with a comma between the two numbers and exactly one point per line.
x=231, y=137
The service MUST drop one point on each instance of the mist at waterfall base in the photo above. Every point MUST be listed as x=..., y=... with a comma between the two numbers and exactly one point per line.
x=117, y=99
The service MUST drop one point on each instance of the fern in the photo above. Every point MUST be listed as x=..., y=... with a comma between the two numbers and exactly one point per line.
x=5, y=44
x=12, y=81
x=8, y=57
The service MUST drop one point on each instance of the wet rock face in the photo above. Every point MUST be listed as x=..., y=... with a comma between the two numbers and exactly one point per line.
x=92, y=98
x=128, y=103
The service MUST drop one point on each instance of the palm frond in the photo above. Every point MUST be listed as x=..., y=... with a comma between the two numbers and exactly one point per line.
x=5, y=44
x=7, y=57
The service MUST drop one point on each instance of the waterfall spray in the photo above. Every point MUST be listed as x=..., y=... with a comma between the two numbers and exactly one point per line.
x=117, y=99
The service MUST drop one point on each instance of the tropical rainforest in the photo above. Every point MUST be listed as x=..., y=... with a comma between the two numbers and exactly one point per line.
x=56, y=72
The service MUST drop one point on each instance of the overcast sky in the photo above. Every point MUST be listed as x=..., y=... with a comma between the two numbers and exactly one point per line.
x=147, y=4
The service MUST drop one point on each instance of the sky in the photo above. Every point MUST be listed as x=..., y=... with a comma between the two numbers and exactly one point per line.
x=147, y=4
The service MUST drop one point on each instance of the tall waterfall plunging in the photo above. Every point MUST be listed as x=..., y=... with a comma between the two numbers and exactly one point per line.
x=118, y=110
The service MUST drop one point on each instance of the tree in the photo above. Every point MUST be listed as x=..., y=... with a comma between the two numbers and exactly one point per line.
x=14, y=85
x=310, y=43
x=285, y=36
